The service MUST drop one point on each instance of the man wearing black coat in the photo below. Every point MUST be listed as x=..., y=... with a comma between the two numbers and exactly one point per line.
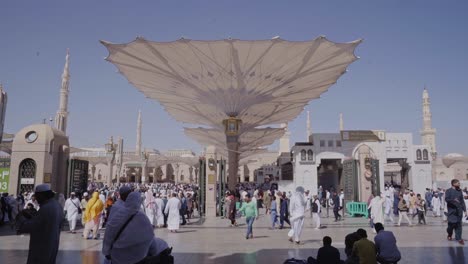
x=455, y=209
x=326, y=254
x=44, y=227
x=336, y=206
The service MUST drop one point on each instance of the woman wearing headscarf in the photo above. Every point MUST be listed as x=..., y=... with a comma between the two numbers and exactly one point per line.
x=93, y=215
x=150, y=206
x=136, y=237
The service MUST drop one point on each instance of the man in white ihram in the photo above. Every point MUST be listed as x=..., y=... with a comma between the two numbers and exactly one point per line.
x=376, y=207
x=172, y=210
x=297, y=207
x=72, y=206
x=436, y=205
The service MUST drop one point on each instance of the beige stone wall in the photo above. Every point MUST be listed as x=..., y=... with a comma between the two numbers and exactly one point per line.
x=50, y=153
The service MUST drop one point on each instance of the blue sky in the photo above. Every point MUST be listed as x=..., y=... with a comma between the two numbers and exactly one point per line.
x=407, y=44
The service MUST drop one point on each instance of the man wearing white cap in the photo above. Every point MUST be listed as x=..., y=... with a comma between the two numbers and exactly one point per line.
x=84, y=202
x=297, y=209
x=44, y=227
x=72, y=207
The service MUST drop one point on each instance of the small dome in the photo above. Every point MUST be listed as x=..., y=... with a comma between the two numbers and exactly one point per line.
x=454, y=155
x=452, y=158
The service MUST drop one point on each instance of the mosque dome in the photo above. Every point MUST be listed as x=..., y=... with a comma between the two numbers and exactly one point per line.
x=452, y=158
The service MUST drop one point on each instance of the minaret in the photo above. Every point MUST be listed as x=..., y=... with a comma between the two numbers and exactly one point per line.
x=62, y=113
x=309, y=130
x=284, y=140
x=341, y=122
x=428, y=133
x=138, y=138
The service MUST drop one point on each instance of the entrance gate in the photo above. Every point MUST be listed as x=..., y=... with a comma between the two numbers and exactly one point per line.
x=27, y=176
x=351, y=181
x=77, y=176
x=375, y=180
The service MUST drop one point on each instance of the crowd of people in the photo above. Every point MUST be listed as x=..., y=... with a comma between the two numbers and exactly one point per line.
x=286, y=207
x=127, y=213
x=149, y=206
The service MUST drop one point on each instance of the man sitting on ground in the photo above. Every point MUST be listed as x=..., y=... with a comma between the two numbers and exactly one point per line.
x=385, y=244
x=364, y=249
x=350, y=239
x=326, y=254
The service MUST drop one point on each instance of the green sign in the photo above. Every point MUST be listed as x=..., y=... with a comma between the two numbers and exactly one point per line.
x=4, y=179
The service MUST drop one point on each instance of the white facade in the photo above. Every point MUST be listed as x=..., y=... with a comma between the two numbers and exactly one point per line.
x=326, y=155
x=179, y=153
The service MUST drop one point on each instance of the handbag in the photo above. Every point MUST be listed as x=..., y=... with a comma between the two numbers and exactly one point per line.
x=120, y=232
x=79, y=208
x=164, y=257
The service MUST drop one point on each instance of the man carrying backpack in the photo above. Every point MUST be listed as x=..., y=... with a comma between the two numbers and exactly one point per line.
x=315, y=209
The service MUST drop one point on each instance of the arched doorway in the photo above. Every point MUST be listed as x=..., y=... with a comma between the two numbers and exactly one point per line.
x=27, y=176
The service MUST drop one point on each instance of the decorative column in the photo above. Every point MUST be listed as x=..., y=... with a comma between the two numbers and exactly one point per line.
x=119, y=159
x=143, y=166
x=191, y=174
x=110, y=149
x=232, y=129
x=93, y=172
x=3, y=105
x=62, y=113
x=210, y=204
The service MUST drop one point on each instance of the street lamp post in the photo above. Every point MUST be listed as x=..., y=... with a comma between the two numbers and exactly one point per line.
x=110, y=152
x=93, y=172
x=232, y=127
x=143, y=167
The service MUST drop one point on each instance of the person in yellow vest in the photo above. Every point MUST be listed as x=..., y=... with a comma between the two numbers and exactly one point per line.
x=92, y=217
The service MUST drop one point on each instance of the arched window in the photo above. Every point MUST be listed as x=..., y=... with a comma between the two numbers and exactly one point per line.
x=27, y=176
x=303, y=154
x=425, y=155
x=310, y=155
x=418, y=154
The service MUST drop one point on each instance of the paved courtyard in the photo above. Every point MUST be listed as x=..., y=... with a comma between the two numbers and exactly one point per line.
x=212, y=241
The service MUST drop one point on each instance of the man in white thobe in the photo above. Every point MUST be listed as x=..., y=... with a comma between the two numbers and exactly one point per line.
x=316, y=213
x=150, y=206
x=159, y=211
x=436, y=205
x=376, y=207
x=297, y=207
x=388, y=207
x=172, y=210
x=71, y=207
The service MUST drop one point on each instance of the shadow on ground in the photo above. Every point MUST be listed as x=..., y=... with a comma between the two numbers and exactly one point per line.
x=452, y=255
